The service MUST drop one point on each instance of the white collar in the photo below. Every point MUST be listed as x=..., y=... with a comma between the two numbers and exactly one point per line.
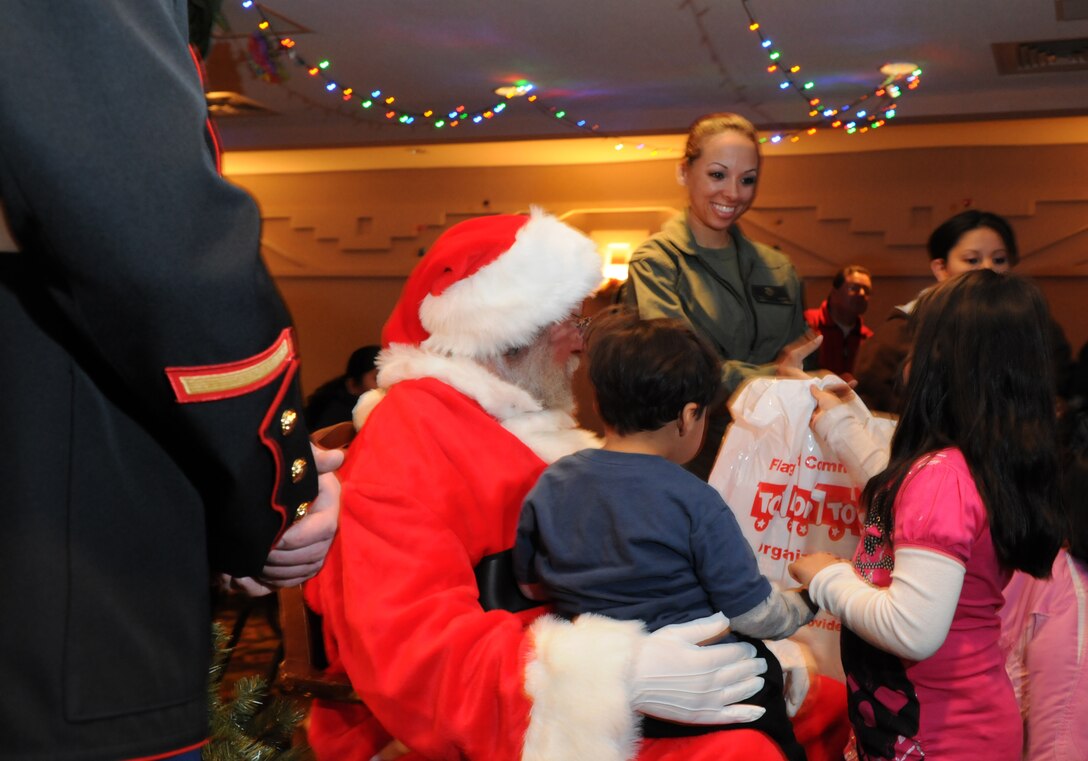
x=551, y=434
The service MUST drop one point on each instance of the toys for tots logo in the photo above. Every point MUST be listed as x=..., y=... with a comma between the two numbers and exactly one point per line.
x=818, y=503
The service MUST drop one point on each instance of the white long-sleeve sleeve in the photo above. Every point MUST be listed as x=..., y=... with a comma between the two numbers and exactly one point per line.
x=854, y=440
x=909, y=618
x=780, y=615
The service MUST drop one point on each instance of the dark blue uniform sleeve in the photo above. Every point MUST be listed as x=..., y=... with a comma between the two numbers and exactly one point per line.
x=147, y=259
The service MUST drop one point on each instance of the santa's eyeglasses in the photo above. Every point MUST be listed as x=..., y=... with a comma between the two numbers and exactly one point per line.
x=578, y=322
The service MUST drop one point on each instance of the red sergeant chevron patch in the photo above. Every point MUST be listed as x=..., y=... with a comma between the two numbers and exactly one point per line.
x=211, y=382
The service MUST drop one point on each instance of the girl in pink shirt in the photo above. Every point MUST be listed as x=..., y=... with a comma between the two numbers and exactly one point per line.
x=969, y=496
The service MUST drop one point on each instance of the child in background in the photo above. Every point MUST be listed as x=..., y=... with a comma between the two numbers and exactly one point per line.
x=1044, y=624
x=970, y=494
x=625, y=531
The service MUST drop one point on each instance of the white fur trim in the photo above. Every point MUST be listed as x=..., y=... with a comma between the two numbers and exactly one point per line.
x=579, y=679
x=551, y=434
x=502, y=400
x=366, y=404
x=546, y=274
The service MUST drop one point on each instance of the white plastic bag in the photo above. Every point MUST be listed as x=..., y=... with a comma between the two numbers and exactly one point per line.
x=791, y=497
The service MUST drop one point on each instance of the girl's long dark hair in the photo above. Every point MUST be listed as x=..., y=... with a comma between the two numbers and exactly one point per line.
x=979, y=380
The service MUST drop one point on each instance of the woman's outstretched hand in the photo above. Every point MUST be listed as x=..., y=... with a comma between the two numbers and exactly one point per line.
x=790, y=362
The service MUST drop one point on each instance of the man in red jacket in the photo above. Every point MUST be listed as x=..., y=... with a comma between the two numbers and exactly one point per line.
x=839, y=320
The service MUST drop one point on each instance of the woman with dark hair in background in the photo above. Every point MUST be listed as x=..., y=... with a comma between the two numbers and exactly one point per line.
x=969, y=240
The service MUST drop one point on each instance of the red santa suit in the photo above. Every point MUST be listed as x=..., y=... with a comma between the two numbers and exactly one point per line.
x=434, y=482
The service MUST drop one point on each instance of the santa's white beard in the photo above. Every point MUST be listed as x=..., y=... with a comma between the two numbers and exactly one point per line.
x=534, y=369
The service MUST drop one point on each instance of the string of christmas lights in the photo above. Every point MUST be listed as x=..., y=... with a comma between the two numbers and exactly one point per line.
x=851, y=118
x=266, y=45
x=584, y=125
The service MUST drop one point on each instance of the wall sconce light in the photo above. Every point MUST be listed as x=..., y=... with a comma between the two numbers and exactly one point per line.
x=616, y=247
x=617, y=255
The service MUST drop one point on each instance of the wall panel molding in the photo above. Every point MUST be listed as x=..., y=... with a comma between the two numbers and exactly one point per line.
x=365, y=229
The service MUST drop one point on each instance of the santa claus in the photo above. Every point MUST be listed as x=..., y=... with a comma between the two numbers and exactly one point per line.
x=474, y=401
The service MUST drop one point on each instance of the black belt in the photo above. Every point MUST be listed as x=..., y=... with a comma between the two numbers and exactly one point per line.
x=497, y=585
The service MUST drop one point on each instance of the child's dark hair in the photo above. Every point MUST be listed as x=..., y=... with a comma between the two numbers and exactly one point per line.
x=644, y=372
x=979, y=380
x=945, y=237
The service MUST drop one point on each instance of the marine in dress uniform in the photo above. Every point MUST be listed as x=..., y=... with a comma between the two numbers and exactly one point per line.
x=148, y=386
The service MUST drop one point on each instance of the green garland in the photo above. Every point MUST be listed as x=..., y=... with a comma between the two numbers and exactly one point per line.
x=251, y=725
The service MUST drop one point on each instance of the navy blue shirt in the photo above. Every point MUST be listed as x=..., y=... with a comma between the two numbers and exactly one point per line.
x=634, y=536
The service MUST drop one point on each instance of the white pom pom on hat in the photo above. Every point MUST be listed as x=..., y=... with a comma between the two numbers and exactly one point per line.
x=490, y=284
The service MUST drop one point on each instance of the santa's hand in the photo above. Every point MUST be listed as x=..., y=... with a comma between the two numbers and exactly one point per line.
x=677, y=680
x=301, y=551
x=796, y=664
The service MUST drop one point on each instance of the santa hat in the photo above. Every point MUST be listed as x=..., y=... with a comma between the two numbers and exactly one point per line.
x=491, y=284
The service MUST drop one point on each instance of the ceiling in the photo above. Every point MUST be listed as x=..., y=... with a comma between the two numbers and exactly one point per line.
x=629, y=66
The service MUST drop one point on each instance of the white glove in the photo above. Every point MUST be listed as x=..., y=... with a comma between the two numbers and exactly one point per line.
x=796, y=662
x=677, y=680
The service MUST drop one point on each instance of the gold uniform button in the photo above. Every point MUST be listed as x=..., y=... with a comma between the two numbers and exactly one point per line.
x=301, y=510
x=287, y=421
x=298, y=470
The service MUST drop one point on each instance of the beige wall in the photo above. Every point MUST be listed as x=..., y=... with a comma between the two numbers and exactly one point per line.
x=340, y=243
